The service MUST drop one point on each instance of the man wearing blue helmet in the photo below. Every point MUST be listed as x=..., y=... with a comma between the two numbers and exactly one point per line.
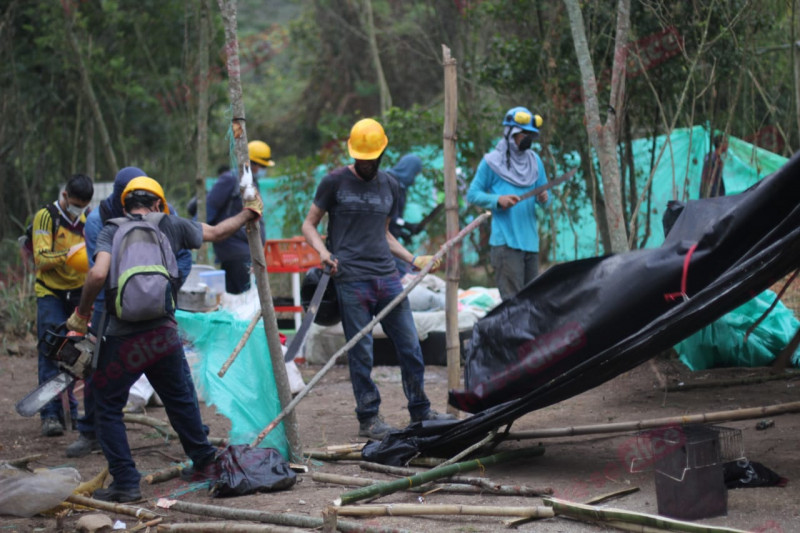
x=503, y=175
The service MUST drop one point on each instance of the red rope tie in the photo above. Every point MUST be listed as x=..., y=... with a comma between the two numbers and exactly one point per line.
x=672, y=296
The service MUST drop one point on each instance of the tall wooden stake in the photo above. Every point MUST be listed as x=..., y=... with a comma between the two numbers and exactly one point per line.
x=228, y=9
x=452, y=343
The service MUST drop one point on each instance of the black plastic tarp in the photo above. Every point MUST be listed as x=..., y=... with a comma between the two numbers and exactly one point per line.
x=582, y=323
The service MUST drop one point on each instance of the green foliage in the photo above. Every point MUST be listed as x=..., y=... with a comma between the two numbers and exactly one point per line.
x=18, y=313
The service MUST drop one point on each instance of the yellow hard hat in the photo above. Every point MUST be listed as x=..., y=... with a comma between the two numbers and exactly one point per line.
x=367, y=140
x=143, y=183
x=78, y=259
x=261, y=153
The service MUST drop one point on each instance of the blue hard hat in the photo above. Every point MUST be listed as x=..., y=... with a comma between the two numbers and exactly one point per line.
x=522, y=118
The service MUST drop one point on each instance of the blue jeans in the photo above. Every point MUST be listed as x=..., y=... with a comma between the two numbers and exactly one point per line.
x=158, y=354
x=50, y=313
x=513, y=269
x=359, y=302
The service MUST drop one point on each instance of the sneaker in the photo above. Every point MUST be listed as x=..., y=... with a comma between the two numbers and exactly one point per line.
x=83, y=446
x=117, y=494
x=374, y=428
x=51, y=427
x=209, y=472
x=433, y=415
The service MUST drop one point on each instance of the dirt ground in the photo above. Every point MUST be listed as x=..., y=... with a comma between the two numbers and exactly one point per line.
x=576, y=468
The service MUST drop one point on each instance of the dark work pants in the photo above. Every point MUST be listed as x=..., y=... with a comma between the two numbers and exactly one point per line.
x=513, y=269
x=158, y=354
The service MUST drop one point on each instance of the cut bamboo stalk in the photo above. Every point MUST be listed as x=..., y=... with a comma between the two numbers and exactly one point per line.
x=453, y=485
x=412, y=509
x=619, y=427
x=464, y=453
x=329, y=518
x=466, y=480
x=617, y=517
x=774, y=375
x=270, y=322
x=230, y=527
x=163, y=427
x=374, y=322
x=516, y=522
x=238, y=348
x=111, y=507
x=356, y=456
x=389, y=487
x=165, y=474
x=253, y=515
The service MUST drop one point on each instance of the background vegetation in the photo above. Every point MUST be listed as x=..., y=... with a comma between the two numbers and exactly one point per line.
x=94, y=85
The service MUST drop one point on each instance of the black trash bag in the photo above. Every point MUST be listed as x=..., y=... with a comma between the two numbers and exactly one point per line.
x=743, y=474
x=245, y=470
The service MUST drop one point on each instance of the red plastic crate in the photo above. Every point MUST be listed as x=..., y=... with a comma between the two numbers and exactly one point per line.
x=290, y=255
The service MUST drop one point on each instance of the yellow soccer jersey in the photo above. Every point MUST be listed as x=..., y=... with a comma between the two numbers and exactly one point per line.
x=52, y=271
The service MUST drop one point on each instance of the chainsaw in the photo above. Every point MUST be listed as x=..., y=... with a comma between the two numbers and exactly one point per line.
x=74, y=355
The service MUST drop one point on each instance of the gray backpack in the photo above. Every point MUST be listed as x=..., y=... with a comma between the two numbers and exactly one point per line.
x=143, y=277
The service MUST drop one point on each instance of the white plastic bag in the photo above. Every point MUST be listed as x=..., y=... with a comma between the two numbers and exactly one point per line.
x=25, y=494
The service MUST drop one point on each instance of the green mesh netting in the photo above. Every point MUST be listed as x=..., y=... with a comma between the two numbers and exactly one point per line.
x=246, y=394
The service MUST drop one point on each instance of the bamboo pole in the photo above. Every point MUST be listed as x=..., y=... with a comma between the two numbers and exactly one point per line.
x=774, y=375
x=619, y=427
x=238, y=348
x=228, y=9
x=163, y=427
x=165, y=474
x=485, y=483
x=464, y=453
x=111, y=507
x=285, y=519
x=389, y=487
x=369, y=327
x=230, y=527
x=516, y=522
x=455, y=484
x=412, y=509
x=356, y=456
x=452, y=340
x=617, y=517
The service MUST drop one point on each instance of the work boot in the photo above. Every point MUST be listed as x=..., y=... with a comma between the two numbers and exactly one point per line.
x=118, y=494
x=83, y=446
x=51, y=427
x=374, y=428
x=433, y=415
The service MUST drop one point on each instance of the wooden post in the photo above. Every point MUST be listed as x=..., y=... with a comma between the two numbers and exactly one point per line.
x=228, y=9
x=452, y=344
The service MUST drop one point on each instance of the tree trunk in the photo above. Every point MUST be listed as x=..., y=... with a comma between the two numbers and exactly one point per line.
x=201, y=153
x=383, y=87
x=604, y=137
x=228, y=9
x=94, y=105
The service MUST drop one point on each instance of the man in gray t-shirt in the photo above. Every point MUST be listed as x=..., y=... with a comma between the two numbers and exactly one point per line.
x=153, y=347
x=360, y=201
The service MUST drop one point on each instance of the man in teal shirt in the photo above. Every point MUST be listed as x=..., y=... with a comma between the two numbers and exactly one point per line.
x=503, y=175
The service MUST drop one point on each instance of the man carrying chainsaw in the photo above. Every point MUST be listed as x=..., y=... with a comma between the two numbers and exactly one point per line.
x=361, y=201
x=135, y=262
x=57, y=236
x=503, y=176
x=110, y=207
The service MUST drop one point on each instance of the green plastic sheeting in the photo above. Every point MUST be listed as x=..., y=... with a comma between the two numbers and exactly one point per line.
x=676, y=177
x=247, y=394
x=722, y=344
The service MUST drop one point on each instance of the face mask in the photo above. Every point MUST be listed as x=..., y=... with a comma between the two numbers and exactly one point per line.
x=367, y=170
x=525, y=143
x=261, y=173
x=75, y=211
